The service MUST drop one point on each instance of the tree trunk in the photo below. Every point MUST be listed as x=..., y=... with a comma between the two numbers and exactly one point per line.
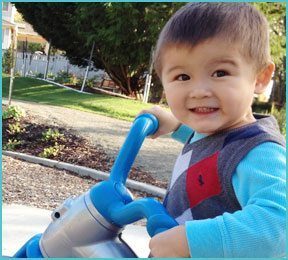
x=113, y=73
x=120, y=82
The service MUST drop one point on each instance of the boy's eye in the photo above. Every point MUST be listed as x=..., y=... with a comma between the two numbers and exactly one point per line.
x=220, y=73
x=182, y=77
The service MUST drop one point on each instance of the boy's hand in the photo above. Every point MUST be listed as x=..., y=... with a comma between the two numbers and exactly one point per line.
x=167, y=122
x=171, y=243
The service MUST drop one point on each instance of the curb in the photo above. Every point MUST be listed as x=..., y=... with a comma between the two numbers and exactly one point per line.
x=84, y=171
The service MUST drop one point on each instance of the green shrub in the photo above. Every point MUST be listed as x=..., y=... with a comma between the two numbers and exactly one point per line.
x=65, y=77
x=32, y=47
x=51, y=151
x=79, y=82
x=89, y=82
x=50, y=75
x=13, y=112
x=14, y=128
x=92, y=82
x=40, y=75
x=7, y=62
x=52, y=135
x=11, y=144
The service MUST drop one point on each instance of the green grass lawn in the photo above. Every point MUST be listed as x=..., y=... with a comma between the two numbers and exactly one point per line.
x=34, y=90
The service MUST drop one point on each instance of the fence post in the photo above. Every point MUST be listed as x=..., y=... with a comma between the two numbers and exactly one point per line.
x=48, y=58
x=148, y=77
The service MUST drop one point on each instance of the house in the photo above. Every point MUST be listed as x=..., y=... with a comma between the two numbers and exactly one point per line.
x=23, y=31
x=8, y=25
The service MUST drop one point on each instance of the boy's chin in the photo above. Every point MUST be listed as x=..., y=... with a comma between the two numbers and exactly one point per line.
x=202, y=127
x=208, y=130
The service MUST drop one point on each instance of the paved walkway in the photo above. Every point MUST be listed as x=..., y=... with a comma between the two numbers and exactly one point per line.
x=156, y=156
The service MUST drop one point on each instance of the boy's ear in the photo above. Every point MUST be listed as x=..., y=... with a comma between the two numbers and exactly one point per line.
x=263, y=78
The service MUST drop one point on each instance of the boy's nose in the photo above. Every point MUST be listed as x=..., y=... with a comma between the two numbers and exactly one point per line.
x=200, y=92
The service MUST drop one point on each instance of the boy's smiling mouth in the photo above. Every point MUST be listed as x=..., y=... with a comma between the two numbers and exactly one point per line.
x=204, y=110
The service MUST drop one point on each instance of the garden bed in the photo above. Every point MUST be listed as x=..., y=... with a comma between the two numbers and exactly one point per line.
x=25, y=135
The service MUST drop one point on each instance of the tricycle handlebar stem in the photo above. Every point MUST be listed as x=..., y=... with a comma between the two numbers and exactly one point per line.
x=144, y=125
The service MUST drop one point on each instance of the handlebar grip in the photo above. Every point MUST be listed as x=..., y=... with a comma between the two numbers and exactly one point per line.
x=158, y=219
x=160, y=223
x=150, y=120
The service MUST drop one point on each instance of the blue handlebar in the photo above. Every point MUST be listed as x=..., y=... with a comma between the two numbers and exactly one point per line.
x=144, y=125
x=158, y=219
x=111, y=197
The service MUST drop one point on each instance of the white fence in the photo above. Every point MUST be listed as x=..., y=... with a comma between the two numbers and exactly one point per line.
x=33, y=64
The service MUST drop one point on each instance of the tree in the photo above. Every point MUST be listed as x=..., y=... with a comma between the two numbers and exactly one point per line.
x=123, y=34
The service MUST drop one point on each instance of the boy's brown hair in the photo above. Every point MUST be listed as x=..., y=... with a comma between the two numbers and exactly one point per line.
x=239, y=23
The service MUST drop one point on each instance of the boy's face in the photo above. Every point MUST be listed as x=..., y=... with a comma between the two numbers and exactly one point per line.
x=209, y=87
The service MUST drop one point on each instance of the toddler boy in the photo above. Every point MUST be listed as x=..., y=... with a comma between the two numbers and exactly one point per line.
x=227, y=190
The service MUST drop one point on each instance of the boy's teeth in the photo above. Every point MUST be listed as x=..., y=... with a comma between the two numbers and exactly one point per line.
x=204, y=109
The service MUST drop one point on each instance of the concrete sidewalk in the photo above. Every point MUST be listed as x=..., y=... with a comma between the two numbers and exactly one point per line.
x=20, y=223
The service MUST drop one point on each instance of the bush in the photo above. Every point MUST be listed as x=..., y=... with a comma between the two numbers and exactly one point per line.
x=79, y=82
x=7, y=62
x=13, y=112
x=14, y=129
x=52, y=135
x=50, y=75
x=51, y=151
x=92, y=82
x=40, y=75
x=64, y=77
x=12, y=144
x=32, y=47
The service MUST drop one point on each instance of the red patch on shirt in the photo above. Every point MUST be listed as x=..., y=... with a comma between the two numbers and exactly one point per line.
x=202, y=180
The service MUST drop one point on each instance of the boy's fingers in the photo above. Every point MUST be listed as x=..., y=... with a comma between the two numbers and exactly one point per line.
x=143, y=112
x=154, y=136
